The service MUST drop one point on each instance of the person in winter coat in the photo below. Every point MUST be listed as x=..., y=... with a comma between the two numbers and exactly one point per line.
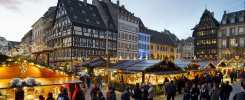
x=125, y=95
x=78, y=93
x=50, y=96
x=204, y=92
x=96, y=93
x=150, y=92
x=195, y=92
x=137, y=92
x=215, y=92
x=110, y=95
x=187, y=92
x=170, y=91
x=63, y=95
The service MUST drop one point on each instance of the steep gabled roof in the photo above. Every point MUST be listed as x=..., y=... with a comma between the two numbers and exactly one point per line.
x=111, y=25
x=203, y=23
x=81, y=13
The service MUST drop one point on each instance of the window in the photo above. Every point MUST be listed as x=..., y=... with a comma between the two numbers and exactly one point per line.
x=241, y=29
x=232, y=20
x=241, y=42
x=224, y=43
x=241, y=19
x=233, y=42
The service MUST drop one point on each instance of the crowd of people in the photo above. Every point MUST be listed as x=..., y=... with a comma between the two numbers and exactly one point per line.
x=203, y=87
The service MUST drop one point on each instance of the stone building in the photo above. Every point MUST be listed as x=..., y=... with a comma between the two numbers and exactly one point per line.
x=3, y=46
x=163, y=45
x=205, y=37
x=40, y=29
x=231, y=37
x=185, y=48
x=127, y=26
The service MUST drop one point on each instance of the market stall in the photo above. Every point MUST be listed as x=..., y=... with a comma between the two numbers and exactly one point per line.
x=94, y=67
x=32, y=78
x=193, y=69
x=145, y=71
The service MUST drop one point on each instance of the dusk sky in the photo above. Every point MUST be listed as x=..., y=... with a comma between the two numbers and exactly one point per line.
x=178, y=16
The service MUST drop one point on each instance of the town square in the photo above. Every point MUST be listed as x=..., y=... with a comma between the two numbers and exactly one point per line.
x=122, y=50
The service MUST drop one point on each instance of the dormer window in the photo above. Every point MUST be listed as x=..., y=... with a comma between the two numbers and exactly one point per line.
x=241, y=19
x=232, y=20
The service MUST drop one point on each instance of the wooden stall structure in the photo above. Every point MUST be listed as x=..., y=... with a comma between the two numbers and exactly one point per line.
x=145, y=71
x=94, y=67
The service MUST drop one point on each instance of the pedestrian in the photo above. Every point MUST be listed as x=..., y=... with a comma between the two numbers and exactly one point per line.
x=125, y=95
x=235, y=75
x=137, y=93
x=170, y=91
x=99, y=81
x=150, y=92
x=226, y=90
x=19, y=94
x=204, y=92
x=178, y=85
x=41, y=97
x=63, y=94
x=195, y=92
x=232, y=76
x=88, y=81
x=78, y=93
x=50, y=96
x=240, y=95
x=215, y=92
x=96, y=93
x=145, y=92
x=110, y=95
x=187, y=92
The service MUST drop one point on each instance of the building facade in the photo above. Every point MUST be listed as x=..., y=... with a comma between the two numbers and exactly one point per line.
x=163, y=45
x=231, y=37
x=79, y=33
x=3, y=46
x=143, y=42
x=26, y=44
x=205, y=37
x=40, y=29
x=126, y=25
x=185, y=48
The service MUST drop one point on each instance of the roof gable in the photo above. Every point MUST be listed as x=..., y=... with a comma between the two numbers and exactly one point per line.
x=207, y=19
x=82, y=13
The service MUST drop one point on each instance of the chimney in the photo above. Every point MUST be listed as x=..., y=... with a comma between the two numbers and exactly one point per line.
x=225, y=12
x=118, y=2
x=85, y=1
